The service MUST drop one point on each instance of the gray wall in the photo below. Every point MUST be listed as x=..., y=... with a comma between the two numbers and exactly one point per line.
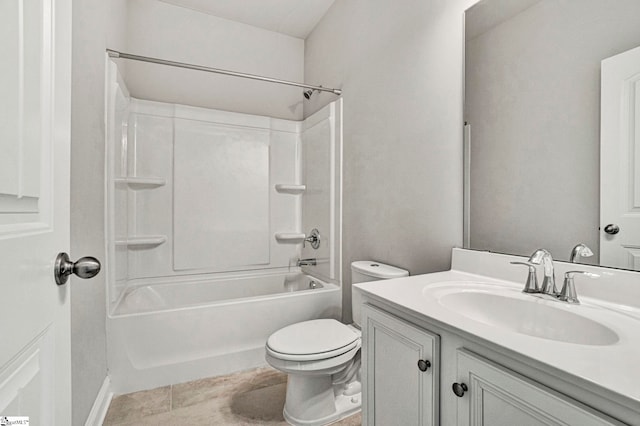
x=533, y=101
x=400, y=66
x=93, y=24
x=181, y=34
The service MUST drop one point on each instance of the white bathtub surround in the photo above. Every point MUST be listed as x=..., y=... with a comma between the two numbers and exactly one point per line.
x=217, y=210
x=590, y=353
x=197, y=279
x=322, y=200
x=199, y=191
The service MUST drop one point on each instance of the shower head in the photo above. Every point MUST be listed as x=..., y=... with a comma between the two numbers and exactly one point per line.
x=307, y=94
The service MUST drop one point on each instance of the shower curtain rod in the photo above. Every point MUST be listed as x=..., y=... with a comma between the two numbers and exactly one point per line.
x=116, y=54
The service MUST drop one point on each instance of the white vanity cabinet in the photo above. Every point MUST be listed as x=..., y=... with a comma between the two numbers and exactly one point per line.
x=397, y=392
x=496, y=396
x=400, y=375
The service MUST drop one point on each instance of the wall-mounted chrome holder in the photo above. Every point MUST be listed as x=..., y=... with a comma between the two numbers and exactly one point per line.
x=314, y=239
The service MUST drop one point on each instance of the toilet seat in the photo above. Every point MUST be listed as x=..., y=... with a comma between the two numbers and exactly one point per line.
x=312, y=340
x=326, y=366
x=313, y=357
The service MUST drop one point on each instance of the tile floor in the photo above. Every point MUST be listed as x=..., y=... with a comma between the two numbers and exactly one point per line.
x=253, y=397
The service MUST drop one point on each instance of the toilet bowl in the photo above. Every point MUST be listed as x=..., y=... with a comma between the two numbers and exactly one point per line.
x=322, y=359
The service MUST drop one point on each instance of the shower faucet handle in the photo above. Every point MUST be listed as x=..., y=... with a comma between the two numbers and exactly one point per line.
x=314, y=239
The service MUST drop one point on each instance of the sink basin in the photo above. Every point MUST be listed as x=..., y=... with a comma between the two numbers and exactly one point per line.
x=525, y=314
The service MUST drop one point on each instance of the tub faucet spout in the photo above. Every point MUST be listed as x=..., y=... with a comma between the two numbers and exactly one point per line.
x=307, y=262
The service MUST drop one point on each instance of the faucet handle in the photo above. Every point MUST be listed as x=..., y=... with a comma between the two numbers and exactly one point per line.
x=314, y=239
x=532, y=280
x=568, y=293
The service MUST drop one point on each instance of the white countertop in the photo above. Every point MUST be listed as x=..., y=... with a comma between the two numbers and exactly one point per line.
x=614, y=367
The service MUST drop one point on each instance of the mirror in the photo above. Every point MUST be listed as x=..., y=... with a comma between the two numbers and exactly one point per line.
x=532, y=127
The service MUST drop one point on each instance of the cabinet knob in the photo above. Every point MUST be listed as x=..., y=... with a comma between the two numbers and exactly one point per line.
x=459, y=389
x=424, y=365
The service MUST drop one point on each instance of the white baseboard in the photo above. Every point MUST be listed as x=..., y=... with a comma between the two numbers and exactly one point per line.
x=100, y=405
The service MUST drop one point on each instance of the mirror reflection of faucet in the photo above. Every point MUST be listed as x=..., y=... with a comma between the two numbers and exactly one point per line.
x=580, y=250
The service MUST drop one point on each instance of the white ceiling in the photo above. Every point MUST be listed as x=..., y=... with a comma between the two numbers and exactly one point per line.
x=292, y=17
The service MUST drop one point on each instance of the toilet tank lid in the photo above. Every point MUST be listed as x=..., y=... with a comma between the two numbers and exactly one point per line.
x=378, y=270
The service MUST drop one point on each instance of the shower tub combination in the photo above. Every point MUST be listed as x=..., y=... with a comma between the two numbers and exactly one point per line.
x=176, y=332
x=197, y=279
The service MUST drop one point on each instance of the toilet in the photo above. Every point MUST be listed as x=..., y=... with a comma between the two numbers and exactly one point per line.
x=322, y=359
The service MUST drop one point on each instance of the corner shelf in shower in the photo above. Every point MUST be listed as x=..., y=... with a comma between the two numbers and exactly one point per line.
x=142, y=241
x=290, y=189
x=135, y=182
x=290, y=237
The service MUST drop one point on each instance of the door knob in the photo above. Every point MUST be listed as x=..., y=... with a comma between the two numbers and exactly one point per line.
x=612, y=229
x=85, y=267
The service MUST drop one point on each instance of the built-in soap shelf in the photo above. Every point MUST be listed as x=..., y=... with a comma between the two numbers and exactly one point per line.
x=135, y=182
x=290, y=189
x=290, y=237
x=142, y=241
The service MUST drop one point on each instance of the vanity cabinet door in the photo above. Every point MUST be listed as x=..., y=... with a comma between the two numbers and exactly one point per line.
x=400, y=371
x=495, y=396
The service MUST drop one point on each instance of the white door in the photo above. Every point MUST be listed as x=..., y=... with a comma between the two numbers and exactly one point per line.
x=620, y=161
x=35, y=94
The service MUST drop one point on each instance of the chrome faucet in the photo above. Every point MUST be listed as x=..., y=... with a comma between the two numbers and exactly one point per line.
x=542, y=256
x=307, y=262
x=580, y=250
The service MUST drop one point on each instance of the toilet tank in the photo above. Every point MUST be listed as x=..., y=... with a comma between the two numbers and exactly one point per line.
x=369, y=270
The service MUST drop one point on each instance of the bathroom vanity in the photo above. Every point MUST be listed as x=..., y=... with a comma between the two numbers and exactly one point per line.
x=467, y=347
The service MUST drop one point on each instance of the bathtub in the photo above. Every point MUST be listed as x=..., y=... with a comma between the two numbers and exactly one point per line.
x=174, y=332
